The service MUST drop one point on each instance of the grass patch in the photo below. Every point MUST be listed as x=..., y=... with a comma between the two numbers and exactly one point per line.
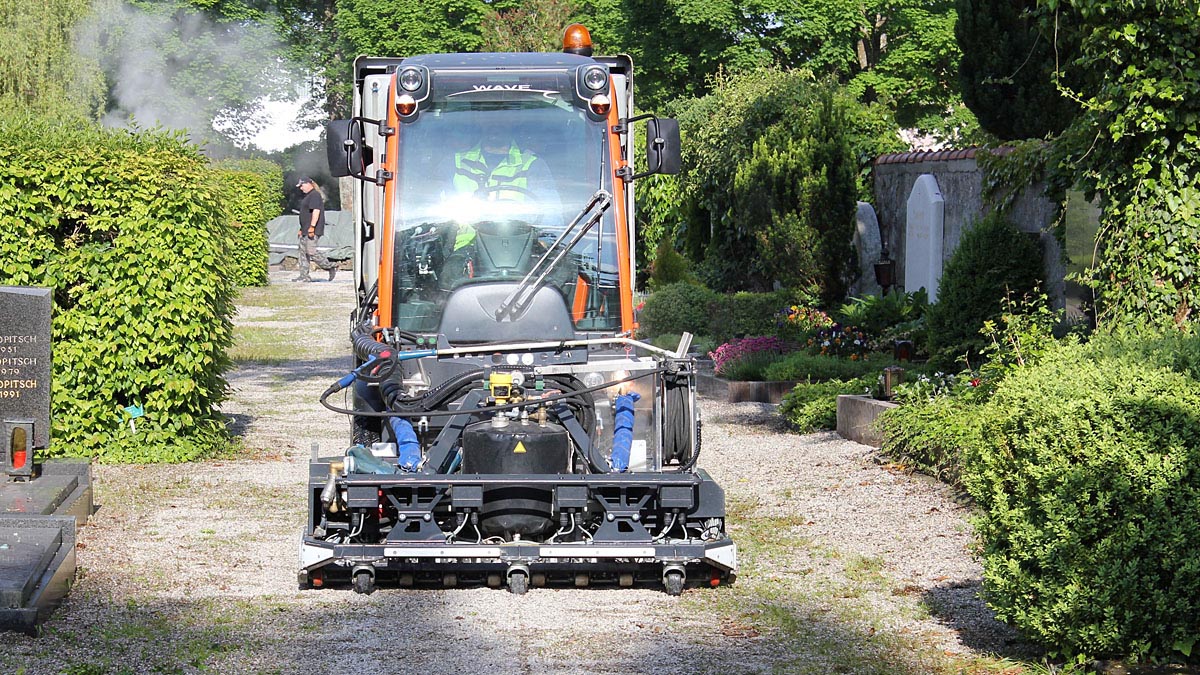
x=262, y=346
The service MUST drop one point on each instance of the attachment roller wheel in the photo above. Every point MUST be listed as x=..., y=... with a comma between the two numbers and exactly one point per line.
x=518, y=583
x=673, y=582
x=364, y=582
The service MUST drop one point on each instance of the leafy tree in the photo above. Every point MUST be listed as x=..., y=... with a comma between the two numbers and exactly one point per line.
x=531, y=26
x=40, y=71
x=768, y=188
x=1007, y=69
x=313, y=43
x=900, y=52
x=410, y=27
x=1136, y=142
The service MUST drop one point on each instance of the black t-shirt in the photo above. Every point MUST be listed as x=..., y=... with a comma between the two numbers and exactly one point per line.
x=312, y=202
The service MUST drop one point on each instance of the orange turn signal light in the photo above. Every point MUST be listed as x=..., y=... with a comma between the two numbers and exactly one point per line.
x=405, y=105
x=600, y=104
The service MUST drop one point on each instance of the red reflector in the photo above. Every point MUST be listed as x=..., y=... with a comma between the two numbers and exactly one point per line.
x=715, y=580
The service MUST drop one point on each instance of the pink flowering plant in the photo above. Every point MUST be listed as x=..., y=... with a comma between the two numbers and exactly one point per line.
x=728, y=355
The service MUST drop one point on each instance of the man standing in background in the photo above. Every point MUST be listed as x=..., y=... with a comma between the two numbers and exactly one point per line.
x=312, y=228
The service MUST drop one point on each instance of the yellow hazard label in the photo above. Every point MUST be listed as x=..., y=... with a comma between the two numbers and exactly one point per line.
x=520, y=448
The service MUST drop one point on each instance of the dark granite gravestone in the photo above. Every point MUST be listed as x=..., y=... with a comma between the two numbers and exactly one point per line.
x=38, y=513
x=24, y=376
x=37, y=565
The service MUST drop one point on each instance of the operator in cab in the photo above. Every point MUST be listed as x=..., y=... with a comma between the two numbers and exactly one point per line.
x=499, y=185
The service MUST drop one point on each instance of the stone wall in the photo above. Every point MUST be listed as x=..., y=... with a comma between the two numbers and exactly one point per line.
x=961, y=183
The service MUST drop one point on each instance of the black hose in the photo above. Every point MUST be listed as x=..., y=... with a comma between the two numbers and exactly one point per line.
x=497, y=408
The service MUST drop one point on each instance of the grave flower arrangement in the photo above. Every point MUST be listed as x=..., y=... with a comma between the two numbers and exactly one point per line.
x=840, y=341
x=799, y=323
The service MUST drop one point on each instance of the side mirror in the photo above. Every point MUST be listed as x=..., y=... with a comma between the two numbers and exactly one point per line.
x=346, y=148
x=662, y=146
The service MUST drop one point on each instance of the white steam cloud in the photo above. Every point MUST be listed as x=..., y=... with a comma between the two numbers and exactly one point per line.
x=180, y=70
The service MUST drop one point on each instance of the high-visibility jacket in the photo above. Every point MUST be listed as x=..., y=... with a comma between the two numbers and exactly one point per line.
x=472, y=174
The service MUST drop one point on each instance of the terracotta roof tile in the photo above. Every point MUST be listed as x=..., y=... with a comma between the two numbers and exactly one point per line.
x=937, y=155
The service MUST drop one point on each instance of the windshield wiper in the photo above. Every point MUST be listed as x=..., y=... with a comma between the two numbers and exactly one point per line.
x=519, y=299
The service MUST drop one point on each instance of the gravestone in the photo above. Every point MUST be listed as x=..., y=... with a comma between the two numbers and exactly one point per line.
x=923, y=237
x=38, y=513
x=24, y=376
x=869, y=246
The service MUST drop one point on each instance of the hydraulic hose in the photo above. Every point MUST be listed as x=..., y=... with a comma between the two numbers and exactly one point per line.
x=365, y=344
x=623, y=431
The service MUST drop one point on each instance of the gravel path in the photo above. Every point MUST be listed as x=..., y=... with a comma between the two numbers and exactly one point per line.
x=848, y=565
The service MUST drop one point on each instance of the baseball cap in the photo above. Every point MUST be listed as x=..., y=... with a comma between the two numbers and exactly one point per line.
x=303, y=180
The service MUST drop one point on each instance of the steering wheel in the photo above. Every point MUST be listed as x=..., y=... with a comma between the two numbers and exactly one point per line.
x=529, y=194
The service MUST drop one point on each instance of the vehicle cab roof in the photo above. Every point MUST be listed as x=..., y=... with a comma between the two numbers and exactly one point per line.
x=499, y=61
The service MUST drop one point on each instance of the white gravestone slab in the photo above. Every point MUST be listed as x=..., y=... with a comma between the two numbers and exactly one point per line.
x=923, y=237
x=869, y=247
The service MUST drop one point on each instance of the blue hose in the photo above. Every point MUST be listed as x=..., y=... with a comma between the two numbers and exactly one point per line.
x=623, y=431
x=408, y=449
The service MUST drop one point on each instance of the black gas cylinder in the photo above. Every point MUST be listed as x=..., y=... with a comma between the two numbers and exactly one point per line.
x=516, y=448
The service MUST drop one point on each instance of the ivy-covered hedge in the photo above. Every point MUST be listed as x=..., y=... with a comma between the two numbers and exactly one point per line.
x=129, y=232
x=251, y=191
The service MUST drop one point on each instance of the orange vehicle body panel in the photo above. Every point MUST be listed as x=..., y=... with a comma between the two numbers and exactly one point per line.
x=387, y=228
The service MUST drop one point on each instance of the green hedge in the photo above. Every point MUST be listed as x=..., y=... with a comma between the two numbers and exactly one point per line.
x=1089, y=485
x=251, y=191
x=676, y=308
x=128, y=231
x=747, y=314
x=812, y=406
x=684, y=306
x=817, y=368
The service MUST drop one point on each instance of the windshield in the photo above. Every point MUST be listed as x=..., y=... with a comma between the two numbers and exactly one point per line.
x=489, y=178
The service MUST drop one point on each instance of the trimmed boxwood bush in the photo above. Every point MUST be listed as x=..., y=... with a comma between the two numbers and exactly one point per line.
x=993, y=260
x=251, y=191
x=812, y=406
x=676, y=308
x=129, y=232
x=1088, y=479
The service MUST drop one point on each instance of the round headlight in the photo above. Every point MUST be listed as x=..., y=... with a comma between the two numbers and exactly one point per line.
x=595, y=78
x=410, y=79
